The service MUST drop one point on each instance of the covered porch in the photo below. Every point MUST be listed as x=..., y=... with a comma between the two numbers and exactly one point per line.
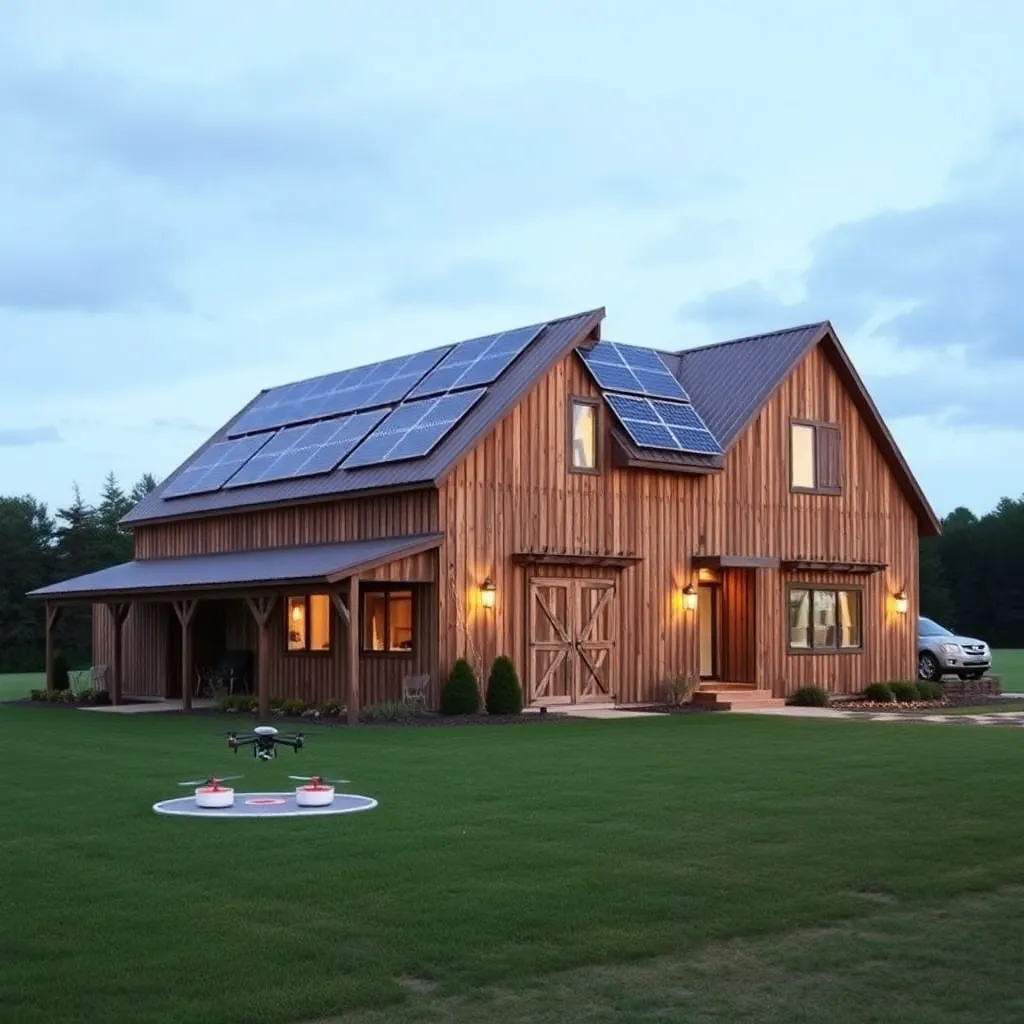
x=329, y=616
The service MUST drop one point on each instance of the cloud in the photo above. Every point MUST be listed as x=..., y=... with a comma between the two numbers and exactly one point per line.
x=25, y=437
x=179, y=423
x=932, y=278
x=466, y=282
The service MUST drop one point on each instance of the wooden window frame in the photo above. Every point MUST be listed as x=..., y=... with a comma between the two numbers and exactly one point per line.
x=595, y=404
x=835, y=588
x=365, y=589
x=818, y=426
x=307, y=651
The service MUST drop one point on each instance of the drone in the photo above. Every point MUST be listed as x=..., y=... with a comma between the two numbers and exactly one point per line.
x=213, y=783
x=264, y=740
x=318, y=781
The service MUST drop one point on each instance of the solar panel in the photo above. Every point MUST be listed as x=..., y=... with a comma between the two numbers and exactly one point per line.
x=307, y=450
x=475, y=362
x=213, y=466
x=673, y=426
x=414, y=429
x=363, y=387
x=632, y=369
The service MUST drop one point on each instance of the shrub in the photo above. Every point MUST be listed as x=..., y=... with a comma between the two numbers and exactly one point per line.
x=461, y=694
x=333, y=708
x=61, y=679
x=294, y=706
x=37, y=695
x=84, y=696
x=880, y=693
x=101, y=697
x=811, y=697
x=504, y=694
x=930, y=691
x=388, y=711
x=905, y=692
x=679, y=689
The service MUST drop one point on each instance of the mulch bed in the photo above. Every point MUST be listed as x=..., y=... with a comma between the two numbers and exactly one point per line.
x=969, y=701
x=677, y=709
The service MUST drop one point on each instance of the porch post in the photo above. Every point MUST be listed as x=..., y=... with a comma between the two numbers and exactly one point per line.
x=52, y=618
x=185, y=609
x=261, y=608
x=119, y=612
x=352, y=701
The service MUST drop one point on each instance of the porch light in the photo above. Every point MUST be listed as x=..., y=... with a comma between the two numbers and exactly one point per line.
x=900, y=602
x=689, y=597
x=487, y=591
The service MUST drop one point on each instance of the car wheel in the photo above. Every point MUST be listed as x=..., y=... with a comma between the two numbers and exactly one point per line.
x=928, y=667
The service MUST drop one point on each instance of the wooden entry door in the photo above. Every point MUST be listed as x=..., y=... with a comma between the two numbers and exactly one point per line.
x=570, y=640
x=709, y=607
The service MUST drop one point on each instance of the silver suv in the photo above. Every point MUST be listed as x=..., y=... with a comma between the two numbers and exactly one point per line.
x=943, y=653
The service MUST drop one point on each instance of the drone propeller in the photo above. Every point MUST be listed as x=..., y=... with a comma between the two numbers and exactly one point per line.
x=318, y=778
x=212, y=780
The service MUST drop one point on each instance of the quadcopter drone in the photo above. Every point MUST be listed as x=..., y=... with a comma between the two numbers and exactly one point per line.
x=264, y=740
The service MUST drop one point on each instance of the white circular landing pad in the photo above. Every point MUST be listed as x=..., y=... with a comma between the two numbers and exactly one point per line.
x=265, y=805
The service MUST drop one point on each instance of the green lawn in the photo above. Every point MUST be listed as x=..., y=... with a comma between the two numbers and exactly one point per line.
x=693, y=868
x=1010, y=665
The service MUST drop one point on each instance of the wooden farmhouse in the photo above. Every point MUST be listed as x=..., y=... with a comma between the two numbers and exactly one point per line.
x=609, y=516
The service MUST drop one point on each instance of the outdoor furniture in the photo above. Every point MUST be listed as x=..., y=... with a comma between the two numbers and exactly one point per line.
x=414, y=689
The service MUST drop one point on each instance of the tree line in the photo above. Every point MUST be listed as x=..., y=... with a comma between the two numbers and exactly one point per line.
x=972, y=576
x=38, y=548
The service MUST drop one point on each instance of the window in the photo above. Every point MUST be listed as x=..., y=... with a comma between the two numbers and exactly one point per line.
x=308, y=624
x=814, y=457
x=825, y=619
x=583, y=435
x=387, y=621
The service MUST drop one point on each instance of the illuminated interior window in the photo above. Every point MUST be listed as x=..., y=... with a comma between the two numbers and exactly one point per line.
x=584, y=436
x=388, y=621
x=319, y=622
x=825, y=619
x=308, y=622
x=297, y=624
x=801, y=456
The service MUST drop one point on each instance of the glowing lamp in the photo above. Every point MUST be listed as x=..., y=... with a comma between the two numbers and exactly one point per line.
x=689, y=597
x=900, y=602
x=487, y=591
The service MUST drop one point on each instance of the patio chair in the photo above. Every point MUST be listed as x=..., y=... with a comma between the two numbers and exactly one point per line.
x=414, y=689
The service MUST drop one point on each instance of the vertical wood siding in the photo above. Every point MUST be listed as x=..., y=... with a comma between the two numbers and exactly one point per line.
x=514, y=492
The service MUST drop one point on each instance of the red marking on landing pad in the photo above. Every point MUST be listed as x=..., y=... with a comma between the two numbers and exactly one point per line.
x=260, y=800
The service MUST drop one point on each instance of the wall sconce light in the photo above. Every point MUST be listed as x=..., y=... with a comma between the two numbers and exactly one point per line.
x=900, y=602
x=689, y=597
x=297, y=613
x=487, y=591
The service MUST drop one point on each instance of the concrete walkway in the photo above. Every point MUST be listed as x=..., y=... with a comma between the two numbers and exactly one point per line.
x=995, y=718
x=149, y=706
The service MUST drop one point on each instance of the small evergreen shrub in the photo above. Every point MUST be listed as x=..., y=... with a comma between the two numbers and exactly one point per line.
x=460, y=695
x=880, y=693
x=37, y=695
x=294, y=706
x=332, y=708
x=811, y=697
x=388, y=711
x=905, y=692
x=930, y=691
x=504, y=694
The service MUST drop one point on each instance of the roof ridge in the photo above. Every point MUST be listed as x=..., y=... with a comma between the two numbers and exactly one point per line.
x=752, y=337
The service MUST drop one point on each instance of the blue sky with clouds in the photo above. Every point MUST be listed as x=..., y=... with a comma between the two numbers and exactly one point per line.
x=200, y=199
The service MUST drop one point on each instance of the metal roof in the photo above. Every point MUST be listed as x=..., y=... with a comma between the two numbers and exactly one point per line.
x=318, y=563
x=556, y=339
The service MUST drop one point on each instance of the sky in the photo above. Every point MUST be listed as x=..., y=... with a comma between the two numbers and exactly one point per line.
x=203, y=198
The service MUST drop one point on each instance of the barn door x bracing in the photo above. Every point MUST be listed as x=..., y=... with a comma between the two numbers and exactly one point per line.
x=570, y=645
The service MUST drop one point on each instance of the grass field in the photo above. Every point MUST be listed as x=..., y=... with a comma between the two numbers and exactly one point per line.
x=697, y=868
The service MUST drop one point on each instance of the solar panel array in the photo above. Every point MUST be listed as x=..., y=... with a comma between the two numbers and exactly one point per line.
x=307, y=450
x=475, y=362
x=397, y=409
x=414, y=429
x=652, y=406
x=364, y=387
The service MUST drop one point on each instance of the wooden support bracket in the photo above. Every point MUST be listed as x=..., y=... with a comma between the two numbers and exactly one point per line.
x=185, y=609
x=118, y=612
x=262, y=607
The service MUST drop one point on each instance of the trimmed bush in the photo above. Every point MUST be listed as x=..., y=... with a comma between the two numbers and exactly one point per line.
x=294, y=706
x=387, y=711
x=679, y=689
x=930, y=691
x=461, y=694
x=504, y=694
x=880, y=693
x=811, y=697
x=905, y=692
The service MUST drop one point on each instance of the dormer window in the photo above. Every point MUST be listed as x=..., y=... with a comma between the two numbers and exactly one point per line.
x=583, y=434
x=814, y=457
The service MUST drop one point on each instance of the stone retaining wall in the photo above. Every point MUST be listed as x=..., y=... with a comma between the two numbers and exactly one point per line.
x=987, y=686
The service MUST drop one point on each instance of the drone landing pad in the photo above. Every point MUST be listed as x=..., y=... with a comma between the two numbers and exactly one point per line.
x=265, y=805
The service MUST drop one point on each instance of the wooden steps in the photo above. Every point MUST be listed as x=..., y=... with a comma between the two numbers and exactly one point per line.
x=734, y=697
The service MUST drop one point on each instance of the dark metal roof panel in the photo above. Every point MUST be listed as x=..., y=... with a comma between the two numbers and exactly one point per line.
x=315, y=562
x=500, y=397
x=730, y=381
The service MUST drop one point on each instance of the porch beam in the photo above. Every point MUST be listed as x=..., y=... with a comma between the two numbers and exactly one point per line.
x=52, y=618
x=340, y=607
x=118, y=612
x=185, y=609
x=262, y=606
x=352, y=652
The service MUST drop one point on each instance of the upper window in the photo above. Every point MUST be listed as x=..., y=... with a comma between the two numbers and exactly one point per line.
x=309, y=622
x=825, y=619
x=583, y=435
x=814, y=457
x=387, y=621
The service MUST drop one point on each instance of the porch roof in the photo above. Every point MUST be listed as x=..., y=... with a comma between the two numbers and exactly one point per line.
x=310, y=563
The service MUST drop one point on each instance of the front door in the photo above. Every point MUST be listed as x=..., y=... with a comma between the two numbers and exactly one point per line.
x=708, y=612
x=570, y=645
